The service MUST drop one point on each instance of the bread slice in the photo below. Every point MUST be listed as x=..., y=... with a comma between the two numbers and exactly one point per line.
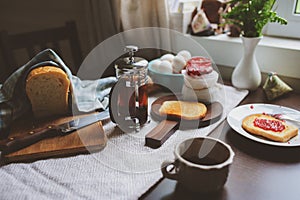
x=183, y=109
x=47, y=88
x=285, y=135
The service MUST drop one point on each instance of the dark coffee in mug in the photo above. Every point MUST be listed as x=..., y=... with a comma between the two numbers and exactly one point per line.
x=202, y=164
x=203, y=152
x=203, y=161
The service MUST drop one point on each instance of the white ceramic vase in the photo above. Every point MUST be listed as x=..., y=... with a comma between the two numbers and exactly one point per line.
x=246, y=74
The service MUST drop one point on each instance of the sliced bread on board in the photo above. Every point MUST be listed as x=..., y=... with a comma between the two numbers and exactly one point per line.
x=47, y=88
x=183, y=109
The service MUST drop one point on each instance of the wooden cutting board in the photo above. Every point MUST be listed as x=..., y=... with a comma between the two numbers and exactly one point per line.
x=169, y=124
x=86, y=140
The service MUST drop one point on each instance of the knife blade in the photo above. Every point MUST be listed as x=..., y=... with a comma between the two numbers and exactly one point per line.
x=12, y=144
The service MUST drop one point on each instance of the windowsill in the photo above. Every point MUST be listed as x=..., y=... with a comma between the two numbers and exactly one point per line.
x=273, y=54
x=268, y=41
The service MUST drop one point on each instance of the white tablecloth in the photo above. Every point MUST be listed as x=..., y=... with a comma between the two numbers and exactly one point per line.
x=124, y=169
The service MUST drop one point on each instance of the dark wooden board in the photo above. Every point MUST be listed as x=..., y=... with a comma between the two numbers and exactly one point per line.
x=169, y=124
x=214, y=110
x=86, y=140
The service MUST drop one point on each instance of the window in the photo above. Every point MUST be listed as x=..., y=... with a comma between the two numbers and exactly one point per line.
x=290, y=10
x=297, y=7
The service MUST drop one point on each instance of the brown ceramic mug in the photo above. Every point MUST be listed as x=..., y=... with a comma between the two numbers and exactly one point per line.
x=201, y=165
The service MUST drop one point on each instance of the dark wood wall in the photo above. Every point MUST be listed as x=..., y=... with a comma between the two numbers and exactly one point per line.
x=31, y=15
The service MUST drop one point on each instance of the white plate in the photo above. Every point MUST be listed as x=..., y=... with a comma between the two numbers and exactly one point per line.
x=236, y=116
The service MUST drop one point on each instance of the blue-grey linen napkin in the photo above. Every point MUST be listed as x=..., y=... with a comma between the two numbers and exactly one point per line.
x=86, y=95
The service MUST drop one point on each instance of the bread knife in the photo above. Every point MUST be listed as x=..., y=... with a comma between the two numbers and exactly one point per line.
x=12, y=144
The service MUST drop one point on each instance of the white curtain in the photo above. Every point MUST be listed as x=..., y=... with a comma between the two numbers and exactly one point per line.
x=102, y=19
x=134, y=19
x=146, y=23
x=108, y=17
x=144, y=13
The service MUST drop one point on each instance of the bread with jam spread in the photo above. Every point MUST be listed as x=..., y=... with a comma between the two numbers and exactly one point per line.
x=269, y=127
x=47, y=88
x=183, y=109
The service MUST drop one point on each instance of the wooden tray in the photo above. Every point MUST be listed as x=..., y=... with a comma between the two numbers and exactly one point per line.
x=86, y=140
x=169, y=124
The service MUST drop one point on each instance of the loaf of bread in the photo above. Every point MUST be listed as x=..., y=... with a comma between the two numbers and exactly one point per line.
x=269, y=127
x=183, y=109
x=47, y=88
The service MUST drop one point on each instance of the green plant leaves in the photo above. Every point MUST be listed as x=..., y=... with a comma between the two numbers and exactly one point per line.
x=252, y=15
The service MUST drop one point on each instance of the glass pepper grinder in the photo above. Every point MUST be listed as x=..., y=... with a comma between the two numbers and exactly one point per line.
x=129, y=98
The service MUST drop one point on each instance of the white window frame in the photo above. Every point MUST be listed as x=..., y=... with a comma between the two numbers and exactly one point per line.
x=285, y=9
x=276, y=54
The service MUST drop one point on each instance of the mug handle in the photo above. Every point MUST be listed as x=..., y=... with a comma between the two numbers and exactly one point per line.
x=167, y=172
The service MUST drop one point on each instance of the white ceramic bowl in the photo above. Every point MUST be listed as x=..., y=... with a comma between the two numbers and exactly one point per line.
x=174, y=82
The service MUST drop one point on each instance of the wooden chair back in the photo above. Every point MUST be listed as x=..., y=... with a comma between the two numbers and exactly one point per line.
x=34, y=42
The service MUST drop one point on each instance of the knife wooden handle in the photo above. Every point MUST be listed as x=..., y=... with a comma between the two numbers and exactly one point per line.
x=157, y=136
x=12, y=144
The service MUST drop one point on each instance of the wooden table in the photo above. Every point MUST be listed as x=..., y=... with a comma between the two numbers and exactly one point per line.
x=259, y=171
